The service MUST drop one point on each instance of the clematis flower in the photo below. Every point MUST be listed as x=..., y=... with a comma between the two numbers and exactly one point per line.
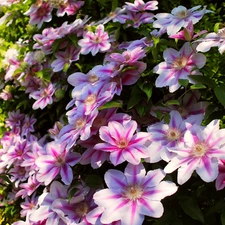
x=133, y=194
x=140, y=5
x=39, y=14
x=178, y=65
x=121, y=142
x=56, y=160
x=212, y=40
x=220, y=180
x=66, y=57
x=179, y=17
x=43, y=96
x=95, y=42
x=187, y=34
x=201, y=151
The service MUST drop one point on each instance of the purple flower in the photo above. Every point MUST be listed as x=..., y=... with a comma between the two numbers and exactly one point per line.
x=95, y=42
x=56, y=160
x=179, y=17
x=121, y=142
x=140, y=5
x=63, y=58
x=200, y=152
x=43, y=96
x=178, y=65
x=39, y=14
x=212, y=40
x=133, y=194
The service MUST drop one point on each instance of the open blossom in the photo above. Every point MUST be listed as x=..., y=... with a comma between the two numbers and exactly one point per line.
x=66, y=57
x=179, y=17
x=133, y=194
x=201, y=151
x=95, y=42
x=57, y=160
x=178, y=65
x=121, y=142
x=43, y=96
x=40, y=14
x=212, y=40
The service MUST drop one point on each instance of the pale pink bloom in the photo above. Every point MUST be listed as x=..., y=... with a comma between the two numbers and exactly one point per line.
x=6, y=95
x=121, y=142
x=95, y=42
x=39, y=14
x=212, y=40
x=187, y=34
x=92, y=97
x=66, y=57
x=27, y=189
x=45, y=211
x=220, y=180
x=28, y=205
x=70, y=7
x=165, y=136
x=28, y=125
x=179, y=17
x=56, y=160
x=79, y=126
x=178, y=65
x=14, y=119
x=140, y=5
x=200, y=152
x=133, y=194
x=43, y=96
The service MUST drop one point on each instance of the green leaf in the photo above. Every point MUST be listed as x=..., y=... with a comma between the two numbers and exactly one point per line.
x=146, y=88
x=111, y=104
x=222, y=217
x=74, y=39
x=203, y=80
x=141, y=110
x=191, y=208
x=55, y=45
x=220, y=94
x=173, y=102
x=197, y=86
x=210, y=108
x=183, y=82
x=136, y=97
x=44, y=74
x=72, y=193
x=114, y=4
x=93, y=181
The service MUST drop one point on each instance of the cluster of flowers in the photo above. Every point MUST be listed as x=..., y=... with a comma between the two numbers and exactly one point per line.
x=45, y=170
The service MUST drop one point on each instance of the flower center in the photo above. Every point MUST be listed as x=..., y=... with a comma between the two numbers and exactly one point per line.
x=56, y=3
x=179, y=63
x=92, y=78
x=97, y=40
x=181, y=14
x=173, y=134
x=90, y=100
x=60, y=161
x=122, y=143
x=81, y=209
x=79, y=123
x=133, y=192
x=199, y=149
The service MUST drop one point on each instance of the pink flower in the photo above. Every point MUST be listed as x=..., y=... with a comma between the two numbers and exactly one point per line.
x=187, y=34
x=66, y=57
x=179, y=17
x=220, y=180
x=121, y=142
x=202, y=148
x=39, y=14
x=133, y=194
x=140, y=5
x=43, y=96
x=212, y=40
x=178, y=65
x=56, y=160
x=165, y=136
x=95, y=42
